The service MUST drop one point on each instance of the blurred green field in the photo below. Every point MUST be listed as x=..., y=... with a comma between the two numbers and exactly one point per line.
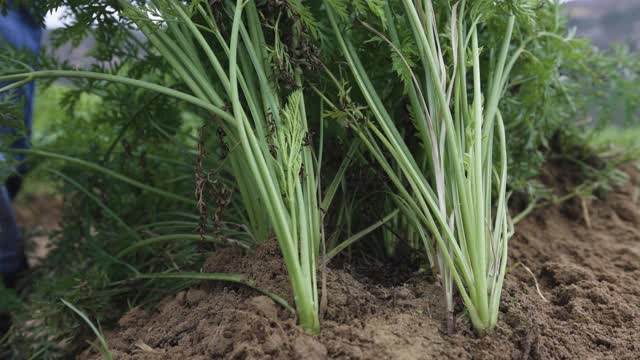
x=62, y=128
x=48, y=113
x=626, y=137
x=47, y=119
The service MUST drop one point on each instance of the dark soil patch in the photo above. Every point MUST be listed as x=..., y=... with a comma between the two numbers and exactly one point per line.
x=589, y=276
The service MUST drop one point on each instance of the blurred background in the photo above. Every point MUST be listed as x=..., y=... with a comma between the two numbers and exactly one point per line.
x=606, y=22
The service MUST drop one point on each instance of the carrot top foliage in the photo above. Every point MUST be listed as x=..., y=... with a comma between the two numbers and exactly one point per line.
x=316, y=123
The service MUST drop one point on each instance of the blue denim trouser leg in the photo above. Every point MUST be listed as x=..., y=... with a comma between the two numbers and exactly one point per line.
x=11, y=245
x=19, y=30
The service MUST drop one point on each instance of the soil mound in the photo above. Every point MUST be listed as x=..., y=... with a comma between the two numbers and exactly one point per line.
x=571, y=292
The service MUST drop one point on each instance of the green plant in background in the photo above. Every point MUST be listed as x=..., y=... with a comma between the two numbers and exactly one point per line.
x=80, y=126
x=102, y=216
x=152, y=139
x=563, y=89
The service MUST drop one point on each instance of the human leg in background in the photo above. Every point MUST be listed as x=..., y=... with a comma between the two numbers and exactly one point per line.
x=12, y=259
x=17, y=28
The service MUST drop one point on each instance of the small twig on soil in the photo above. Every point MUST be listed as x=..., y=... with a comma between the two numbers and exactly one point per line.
x=585, y=211
x=146, y=348
x=535, y=280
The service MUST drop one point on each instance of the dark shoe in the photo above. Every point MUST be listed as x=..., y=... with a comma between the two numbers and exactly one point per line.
x=14, y=184
x=10, y=280
x=5, y=325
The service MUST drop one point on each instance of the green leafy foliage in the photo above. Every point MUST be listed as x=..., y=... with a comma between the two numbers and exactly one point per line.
x=557, y=83
x=147, y=137
x=102, y=216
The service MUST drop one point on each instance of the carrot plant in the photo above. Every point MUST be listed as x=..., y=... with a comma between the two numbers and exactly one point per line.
x=221, y=56
x=453, y=190
x=441, y=88
x=271, y=162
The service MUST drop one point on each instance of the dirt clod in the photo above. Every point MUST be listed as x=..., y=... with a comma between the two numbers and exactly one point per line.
x=194, y=296
x=264, y=306
x=309, y=348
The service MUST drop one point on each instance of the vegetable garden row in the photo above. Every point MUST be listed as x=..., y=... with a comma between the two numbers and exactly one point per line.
x=236, y=122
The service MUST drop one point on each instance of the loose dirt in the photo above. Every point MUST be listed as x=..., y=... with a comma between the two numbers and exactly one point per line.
x=38, y=214
x=572, y=291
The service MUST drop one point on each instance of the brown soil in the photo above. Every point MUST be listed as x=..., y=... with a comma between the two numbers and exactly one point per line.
x=588, y=305
x=38, y=214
